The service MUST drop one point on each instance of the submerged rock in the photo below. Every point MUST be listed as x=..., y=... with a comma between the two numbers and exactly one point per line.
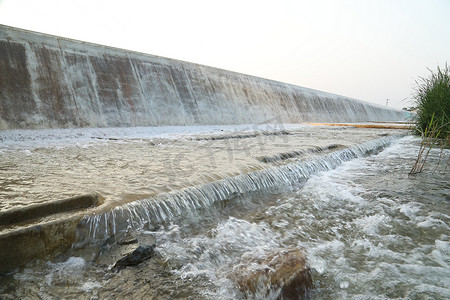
x=282, y=274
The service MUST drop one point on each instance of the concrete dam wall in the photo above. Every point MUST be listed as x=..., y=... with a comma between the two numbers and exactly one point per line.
x=48, y=81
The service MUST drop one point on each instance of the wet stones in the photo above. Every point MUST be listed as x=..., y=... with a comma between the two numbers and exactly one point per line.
x=281, y=274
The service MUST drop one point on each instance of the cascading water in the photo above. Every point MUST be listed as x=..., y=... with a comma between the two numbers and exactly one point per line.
x=149, y=212
x=368, y=231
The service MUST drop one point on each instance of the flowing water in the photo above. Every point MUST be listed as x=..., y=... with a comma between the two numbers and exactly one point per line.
x=369, y=231
x=125, y=164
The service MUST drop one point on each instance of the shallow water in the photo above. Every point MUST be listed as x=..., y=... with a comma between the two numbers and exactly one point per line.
x=124, y=164
x=368, y=229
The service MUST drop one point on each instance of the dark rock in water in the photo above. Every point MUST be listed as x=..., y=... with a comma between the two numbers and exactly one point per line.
x=282, y=274
x=114, y=248
x=119, y=246
x=134, y=258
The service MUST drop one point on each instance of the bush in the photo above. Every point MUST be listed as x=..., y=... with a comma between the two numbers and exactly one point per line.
x=432, y=98
x=433, y=111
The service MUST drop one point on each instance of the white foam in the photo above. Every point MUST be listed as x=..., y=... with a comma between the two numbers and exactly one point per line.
x=214, y=255
x=443, y=246
x=425, y=224
x=410, y=209
x=371, y=224
x=72, y=264
x=430, y=288
x=88, y=286
x=429, y=222
x=317, y=263
x=73, y=267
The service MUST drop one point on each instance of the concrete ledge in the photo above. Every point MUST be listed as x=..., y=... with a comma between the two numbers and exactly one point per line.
x=38, y=241
x=39, y=210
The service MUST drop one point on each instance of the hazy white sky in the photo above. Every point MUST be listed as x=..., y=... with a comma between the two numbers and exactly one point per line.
x=369, y=50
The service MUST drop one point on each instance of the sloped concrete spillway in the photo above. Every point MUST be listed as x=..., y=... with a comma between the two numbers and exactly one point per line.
x=48, y=81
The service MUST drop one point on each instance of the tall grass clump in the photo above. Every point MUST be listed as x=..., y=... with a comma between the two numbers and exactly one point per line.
x=432, y=99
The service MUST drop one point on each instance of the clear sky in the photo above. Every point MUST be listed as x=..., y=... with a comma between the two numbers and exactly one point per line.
x=368, y=50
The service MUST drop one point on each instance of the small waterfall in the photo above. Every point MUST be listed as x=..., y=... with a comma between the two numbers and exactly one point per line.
x=149, y=212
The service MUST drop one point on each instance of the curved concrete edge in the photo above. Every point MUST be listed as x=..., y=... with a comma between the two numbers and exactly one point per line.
x=21, y=246
x=38, y=210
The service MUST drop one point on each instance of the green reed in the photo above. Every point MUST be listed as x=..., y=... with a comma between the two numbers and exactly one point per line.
x=432, y=97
